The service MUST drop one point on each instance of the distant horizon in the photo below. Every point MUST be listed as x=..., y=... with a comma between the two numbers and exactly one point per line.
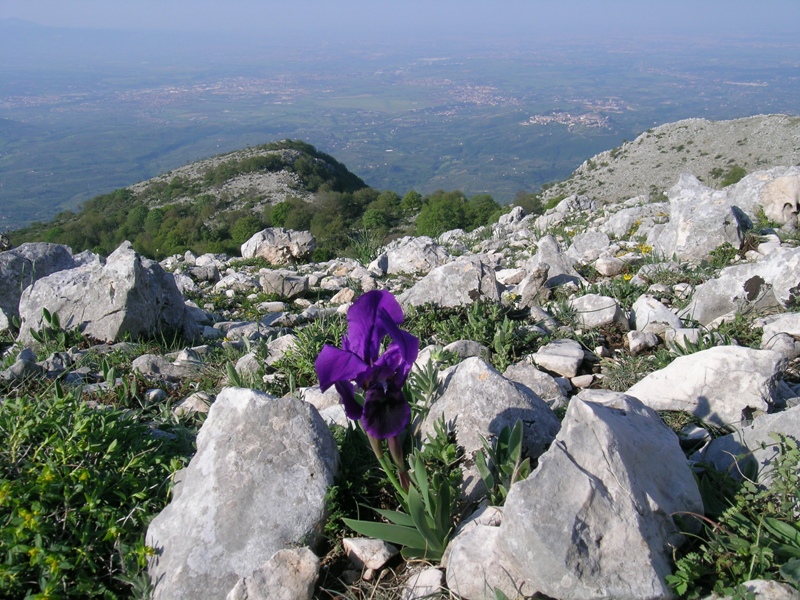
x=450, y=19
x=98, y=95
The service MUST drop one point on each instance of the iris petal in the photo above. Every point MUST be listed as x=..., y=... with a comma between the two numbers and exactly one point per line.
x=386, y=412
x=367, y=322
x=405, y=343
x=334, y=365
x=352, y=408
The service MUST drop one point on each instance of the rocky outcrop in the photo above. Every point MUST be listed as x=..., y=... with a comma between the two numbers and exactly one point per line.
x=723, y=386
x=657, y=157
x=479, y=402
x=128, y=295
x=700, y=220
x=20, y=267
x=279, y=246
x=594, y=519
x=768, y=284
x=411, y=255
x=458, y=283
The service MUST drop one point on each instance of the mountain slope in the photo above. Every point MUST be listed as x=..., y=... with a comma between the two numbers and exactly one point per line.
x=652, y=162
x=212, y=205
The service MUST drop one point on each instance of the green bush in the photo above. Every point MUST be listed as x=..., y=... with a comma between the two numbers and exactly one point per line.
x=78, y=487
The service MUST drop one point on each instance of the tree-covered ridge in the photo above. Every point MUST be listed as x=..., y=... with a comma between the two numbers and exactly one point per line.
x=215, y=206
x=315, y=169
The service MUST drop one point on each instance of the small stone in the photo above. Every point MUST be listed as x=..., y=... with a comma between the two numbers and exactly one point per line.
x=155, y=395
x=582, y=381
x=560, y=356
x=639, y=341
x=602, y=352
x=199, y=402
x=425, y=584
x=609, y=266
x=368, y=553
x=271, y=307
x=343, y=296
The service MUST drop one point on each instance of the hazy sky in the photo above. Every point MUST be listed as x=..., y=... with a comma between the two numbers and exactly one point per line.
x=414, y=17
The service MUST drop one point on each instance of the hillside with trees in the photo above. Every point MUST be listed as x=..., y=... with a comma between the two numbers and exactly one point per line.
x=216, y=204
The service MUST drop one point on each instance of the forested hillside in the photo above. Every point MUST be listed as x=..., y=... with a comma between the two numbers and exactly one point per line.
x=215, y=205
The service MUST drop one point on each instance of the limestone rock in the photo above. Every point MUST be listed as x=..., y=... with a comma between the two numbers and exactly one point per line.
x=153, y=365
x=129, y=295
x=458, y=283
x=285, y=284
x=594, y=311
x=788, y=323
x=539, y=382
x=593, y=520
x=588, y=246
x=467, y=348
x=21, y=266
x=288, y=575
x=532, y=290
x=752, y=443
x=199, y=402
x=255, y=486
x=481, y=402
x=561, y=268
x=639, y=341
x=700, y=220
x=650, y=315
x=367, y=553
x=428, y=583
x=279, y=246
x=610, y=266
x=773, y=282
x=238, y=282
x=411, y=255
x=560, y=356
x=776, y=191
x=475, y=568
x=636, y=220
x=765, y=590
x=722, y=385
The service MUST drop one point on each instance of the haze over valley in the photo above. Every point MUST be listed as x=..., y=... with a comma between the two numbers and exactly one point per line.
x=86, y=111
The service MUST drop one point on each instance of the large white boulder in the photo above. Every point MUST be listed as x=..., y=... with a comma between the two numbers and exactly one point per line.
x=722, y=386
x=128, y=295
x=256, y=486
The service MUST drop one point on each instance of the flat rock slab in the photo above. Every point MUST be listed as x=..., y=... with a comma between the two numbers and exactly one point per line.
x=722, y=385
x=560, y=356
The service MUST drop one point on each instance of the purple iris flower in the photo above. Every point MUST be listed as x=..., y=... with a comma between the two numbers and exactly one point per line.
x=373, y=317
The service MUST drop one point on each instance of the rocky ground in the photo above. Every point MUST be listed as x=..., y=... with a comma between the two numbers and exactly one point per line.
x=589, y=324
x=652, y=162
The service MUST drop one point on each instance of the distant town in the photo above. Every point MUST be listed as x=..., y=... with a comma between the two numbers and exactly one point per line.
x=570, y=120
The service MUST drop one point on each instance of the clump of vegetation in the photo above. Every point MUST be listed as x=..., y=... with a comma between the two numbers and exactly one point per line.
x=729, y=176
x=78, y=487
x=750, y=529
x=443, y=211
x=500, y=329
